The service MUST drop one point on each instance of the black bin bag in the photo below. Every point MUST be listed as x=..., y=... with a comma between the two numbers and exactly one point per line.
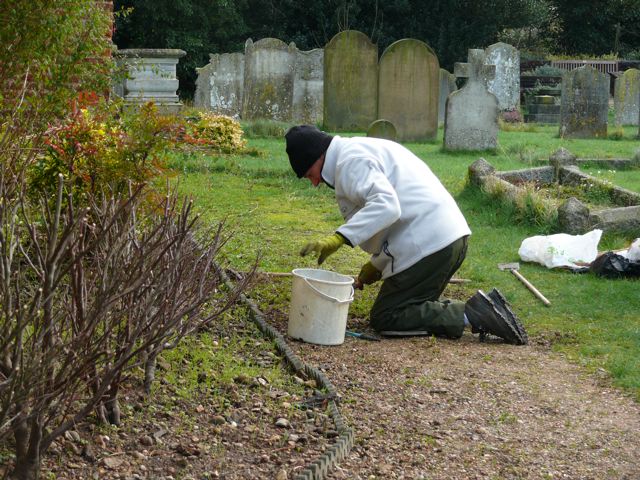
x=612, y=265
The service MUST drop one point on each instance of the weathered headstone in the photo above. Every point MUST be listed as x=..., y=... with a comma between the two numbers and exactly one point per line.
x=382, y=129
x=627, y=97
x=471, y=121
x=585, y=103
x=350, y=81
x=268, y=79
x=408, y=83
x=220, y=84
x=505, y=85
x=308, y=86
x=447, y=85
x=151, y=77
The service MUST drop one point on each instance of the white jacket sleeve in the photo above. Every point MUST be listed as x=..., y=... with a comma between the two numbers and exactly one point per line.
x=365, y=185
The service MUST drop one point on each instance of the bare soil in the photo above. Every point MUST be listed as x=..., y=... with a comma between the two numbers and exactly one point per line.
x=420, y=407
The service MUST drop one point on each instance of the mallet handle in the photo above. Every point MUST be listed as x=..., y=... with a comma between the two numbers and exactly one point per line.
x=533, y=289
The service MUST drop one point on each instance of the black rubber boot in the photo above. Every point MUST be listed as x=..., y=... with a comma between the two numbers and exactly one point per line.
x=491, y=314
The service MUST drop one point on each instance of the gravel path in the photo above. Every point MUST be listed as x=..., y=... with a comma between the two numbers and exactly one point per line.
x=439, y=409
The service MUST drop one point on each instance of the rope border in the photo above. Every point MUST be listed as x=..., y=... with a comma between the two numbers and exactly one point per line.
x=319, y=468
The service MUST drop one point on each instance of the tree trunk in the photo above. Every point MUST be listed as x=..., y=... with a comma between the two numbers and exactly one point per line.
x=113, y=410
x=27, y=465
x=150, y=371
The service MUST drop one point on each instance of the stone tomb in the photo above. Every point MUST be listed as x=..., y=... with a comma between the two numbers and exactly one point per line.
x=585, y=103
x=627, y=98
x=505, y=84
x=574, y=216
x=447, y=85
x=268, y=79
x=350, y=82
x=471, y=120
x=220, y=84
x=408, y=83
x=151, y=77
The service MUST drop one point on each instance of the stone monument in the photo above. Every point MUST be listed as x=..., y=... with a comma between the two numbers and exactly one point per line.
x=220, y=84
x=447, y=85
x=627, y=97
x=585, y=103
x=151, y=77
x=308, y=86
x=505, y=84
x=408, y=83
x=268, y=79
x=350, y=81
x=471, y=120
x=382, y=129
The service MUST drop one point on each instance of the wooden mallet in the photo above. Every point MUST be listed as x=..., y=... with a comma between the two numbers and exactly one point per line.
x=513, y=268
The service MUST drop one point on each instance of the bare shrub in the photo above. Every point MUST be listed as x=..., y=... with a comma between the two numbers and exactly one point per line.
x=86, y=297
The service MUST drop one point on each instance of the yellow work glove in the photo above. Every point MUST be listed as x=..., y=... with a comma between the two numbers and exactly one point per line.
x=368, y=275
x=324, y=247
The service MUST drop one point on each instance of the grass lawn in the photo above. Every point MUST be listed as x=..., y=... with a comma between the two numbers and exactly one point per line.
x=271, y=214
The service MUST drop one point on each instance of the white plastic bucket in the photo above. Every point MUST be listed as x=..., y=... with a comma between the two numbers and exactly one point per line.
x=319, y=306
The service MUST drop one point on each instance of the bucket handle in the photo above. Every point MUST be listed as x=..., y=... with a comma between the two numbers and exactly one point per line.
x=329, y=297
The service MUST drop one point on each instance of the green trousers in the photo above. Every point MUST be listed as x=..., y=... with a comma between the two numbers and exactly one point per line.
x=410, y=300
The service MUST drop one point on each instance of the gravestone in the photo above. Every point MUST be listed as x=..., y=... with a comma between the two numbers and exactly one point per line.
x=585, y=103
x=350, y=82
x=308, y=86
x=268, y=79
x=471, y=120
x=627, y=97
x=505, y=84
x=151, y=77
x=408, y=83
x=382, y=129
x=447, y=85
x=220, y=84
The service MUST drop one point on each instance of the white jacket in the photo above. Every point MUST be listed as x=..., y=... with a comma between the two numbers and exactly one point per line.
x=394, y=206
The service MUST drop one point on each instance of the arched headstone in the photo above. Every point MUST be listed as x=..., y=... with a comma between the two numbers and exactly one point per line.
x=382, y=129
x=268, y=79
x=627, y=97
x=585, y=103
x=408, y=84
x=471, y=120
x=350, y=81
x=220, y=84
x=505, y=84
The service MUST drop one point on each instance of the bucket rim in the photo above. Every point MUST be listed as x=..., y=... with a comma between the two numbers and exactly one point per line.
x=344, y=279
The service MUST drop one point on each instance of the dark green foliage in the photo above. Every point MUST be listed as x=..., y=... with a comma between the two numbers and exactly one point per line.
x=450, y=27
x=199, y=27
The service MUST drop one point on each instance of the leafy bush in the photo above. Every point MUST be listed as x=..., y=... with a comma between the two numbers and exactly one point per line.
x=95, y=148
x=206, y=129
x=545, y=71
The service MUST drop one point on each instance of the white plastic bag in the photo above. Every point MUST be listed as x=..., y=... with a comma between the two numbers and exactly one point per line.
x=633, y=253
x=561, y=249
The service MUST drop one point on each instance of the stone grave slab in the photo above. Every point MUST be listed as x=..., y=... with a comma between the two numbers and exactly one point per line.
x=471, y=120
x=584, y=104
x=382, y=129
x=505, y=84
x=408, y=83
x=308, y=86
x=350, y=82
x=626, y=98
x=220, y=84
x=447, y=85
x=268, y=80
